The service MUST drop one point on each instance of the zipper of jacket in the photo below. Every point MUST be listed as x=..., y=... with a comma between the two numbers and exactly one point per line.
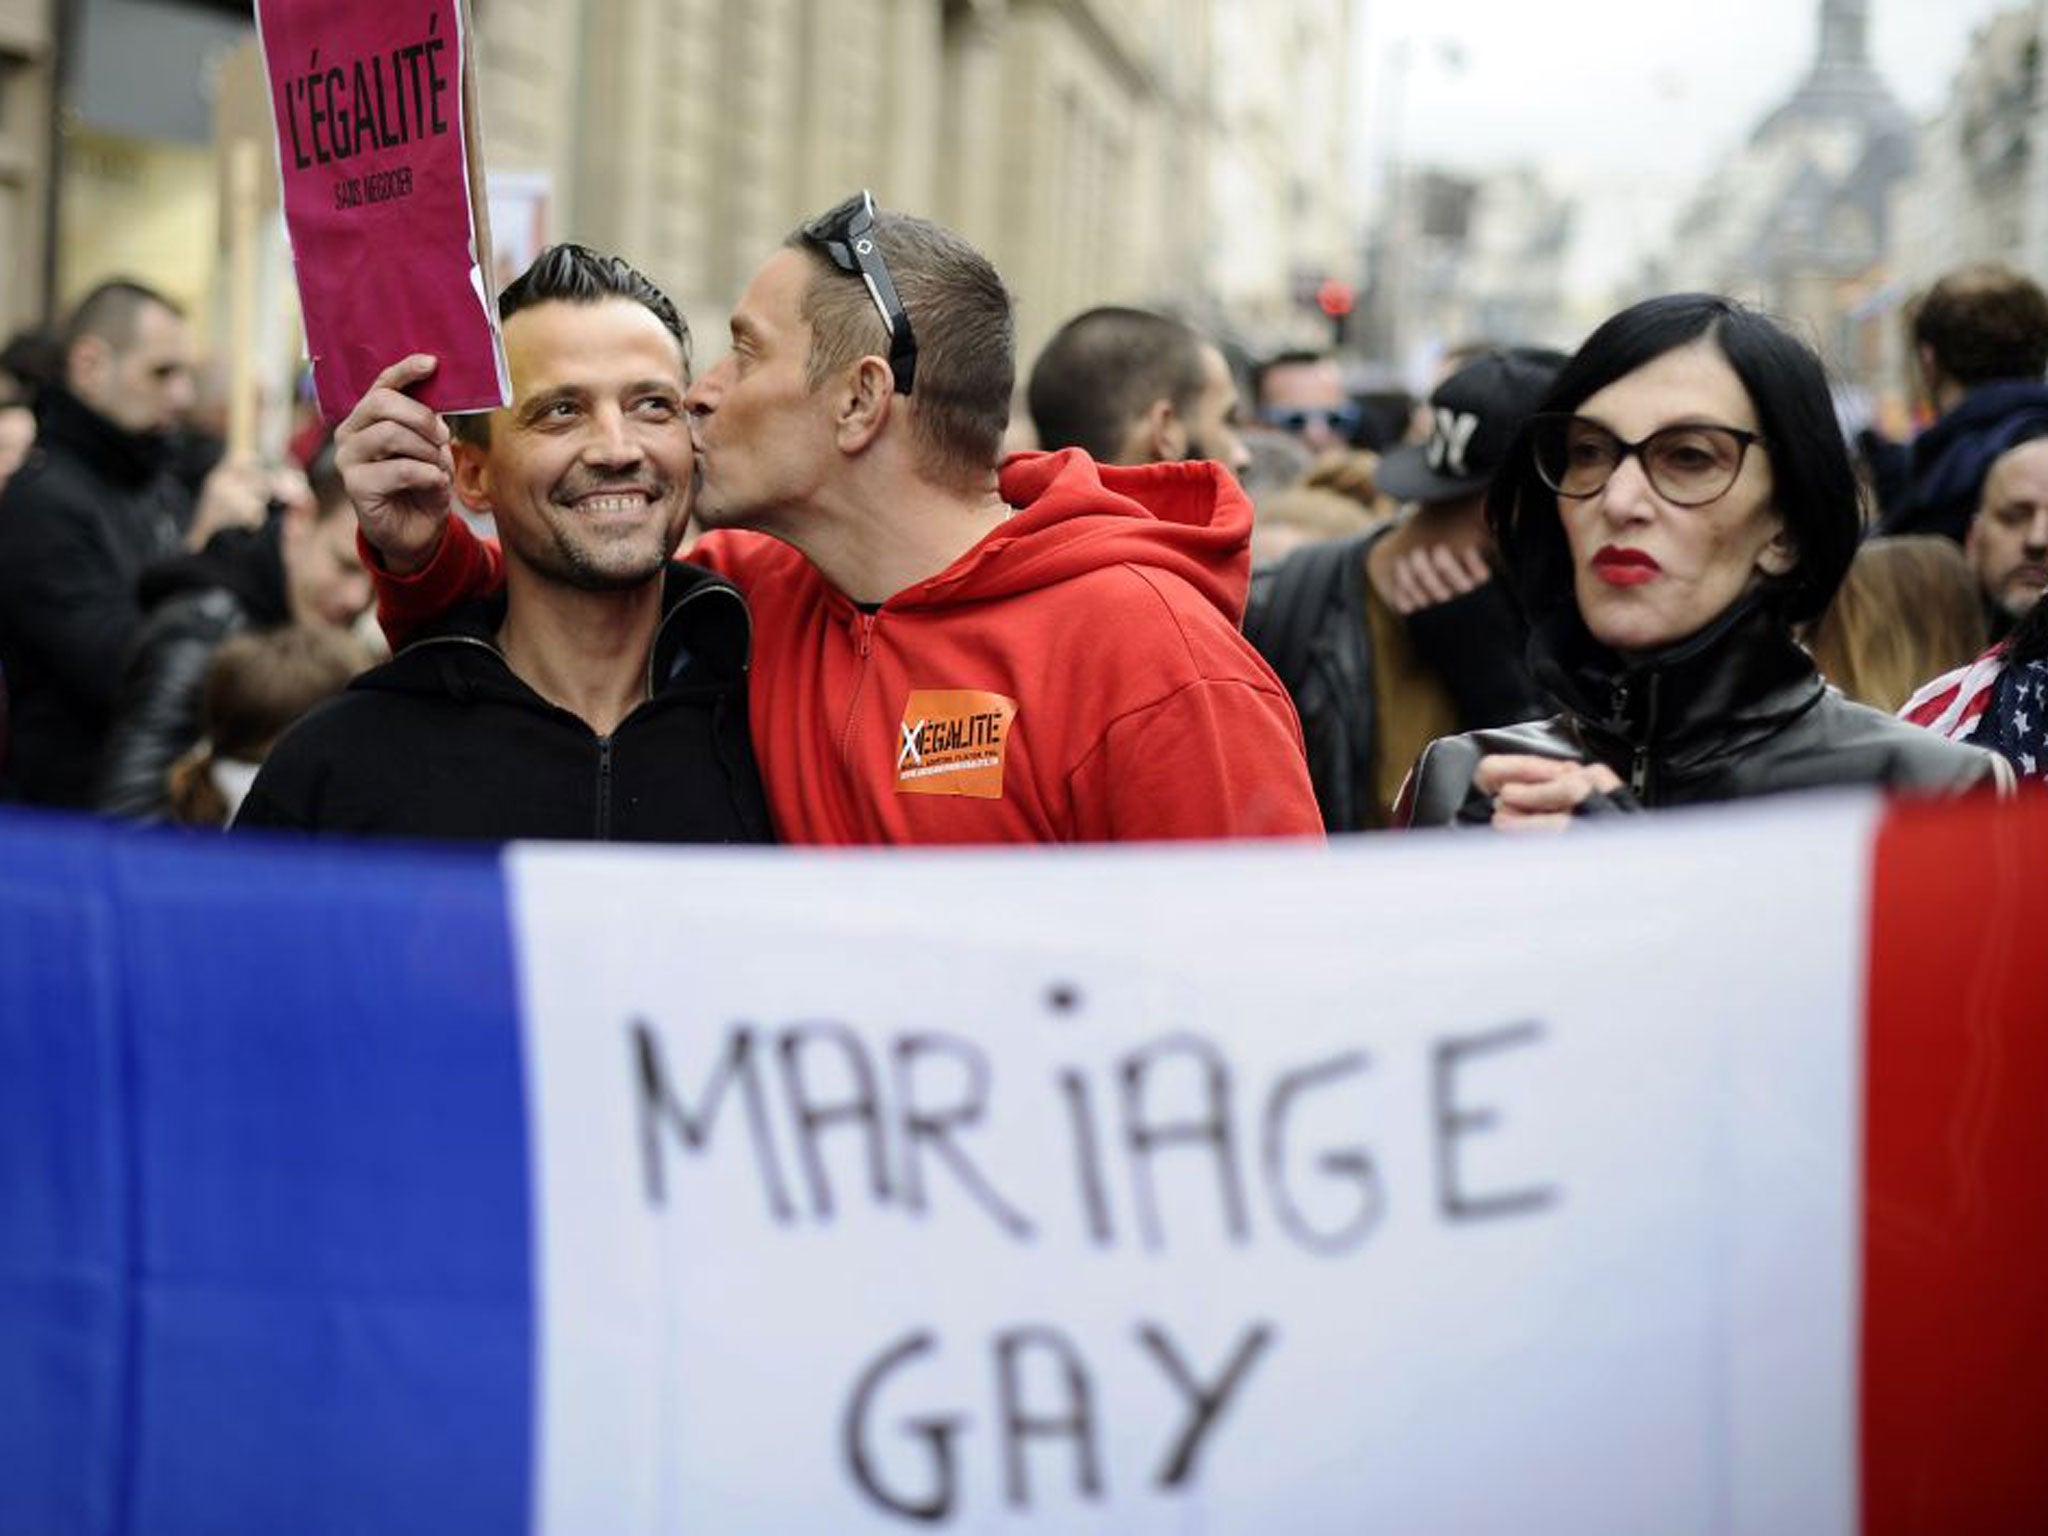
x=603, y=828
x=864, y=645
x=1639, y=766
x=604, y=789
x=1639, y=752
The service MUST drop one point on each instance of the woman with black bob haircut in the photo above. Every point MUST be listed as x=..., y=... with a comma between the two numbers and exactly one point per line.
x=1683, y=499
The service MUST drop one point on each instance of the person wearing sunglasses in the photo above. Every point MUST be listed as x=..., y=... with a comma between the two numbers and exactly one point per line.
x=1680, y=502
x=947, y=650
x=1303, y=395
x=1400, y=633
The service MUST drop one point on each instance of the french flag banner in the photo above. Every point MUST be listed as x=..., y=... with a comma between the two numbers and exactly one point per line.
x=1689, y=1175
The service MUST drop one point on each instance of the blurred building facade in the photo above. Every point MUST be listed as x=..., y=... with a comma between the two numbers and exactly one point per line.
x=1462, y=258
x=1980, y=191
x=131, y=168
x=1179, y=153
x=1282, y=221
x=1798, y=219
x=28, y=83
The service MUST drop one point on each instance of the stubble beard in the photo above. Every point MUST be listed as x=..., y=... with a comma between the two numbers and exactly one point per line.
x=591, y=559
x=571, y=565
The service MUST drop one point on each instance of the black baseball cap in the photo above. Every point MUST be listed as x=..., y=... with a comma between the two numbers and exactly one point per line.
x=1474, y=416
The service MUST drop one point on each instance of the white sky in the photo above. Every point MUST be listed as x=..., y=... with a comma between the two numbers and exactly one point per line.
x=1639, y=98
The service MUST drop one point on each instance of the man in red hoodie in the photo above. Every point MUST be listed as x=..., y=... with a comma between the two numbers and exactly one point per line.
x=945, y=651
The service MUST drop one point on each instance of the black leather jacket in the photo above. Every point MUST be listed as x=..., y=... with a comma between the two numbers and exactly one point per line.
x=193, y=603
x=1733, y=711
x=1307, y=616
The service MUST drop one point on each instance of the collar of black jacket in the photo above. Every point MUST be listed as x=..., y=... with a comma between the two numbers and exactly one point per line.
x=1709, y=696
x=704, y=640
x=248, y=562
x=129, y=458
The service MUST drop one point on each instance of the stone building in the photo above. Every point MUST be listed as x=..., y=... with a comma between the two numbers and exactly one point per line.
x=1179, y=153
x=27, y=94
x=1467, y=258
x=1980, y=192
x=1183, y=153
x=1798, y=219
x=1280, y=220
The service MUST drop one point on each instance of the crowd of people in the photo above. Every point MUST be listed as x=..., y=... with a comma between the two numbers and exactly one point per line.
x=1653, y=572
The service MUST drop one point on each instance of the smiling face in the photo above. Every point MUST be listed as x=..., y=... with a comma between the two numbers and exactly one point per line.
x=1645, y=572
x=2008, y=539
x=764, y=436
x=588, y=470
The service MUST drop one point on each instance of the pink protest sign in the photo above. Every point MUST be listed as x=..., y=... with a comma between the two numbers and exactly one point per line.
x=375, y=106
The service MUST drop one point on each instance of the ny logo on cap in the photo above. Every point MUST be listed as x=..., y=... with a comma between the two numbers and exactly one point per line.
x=1449, y=438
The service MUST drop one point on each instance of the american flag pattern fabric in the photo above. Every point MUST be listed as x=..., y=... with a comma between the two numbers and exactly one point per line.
x=1954, y=702
x=2014, y=723
x=1991, y=704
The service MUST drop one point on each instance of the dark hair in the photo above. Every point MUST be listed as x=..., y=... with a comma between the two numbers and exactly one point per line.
x=1814, y=483
x=966, y=337
x=34, y=360
x=110, y=313
x=575, y=274
x=1984, y=322
x=1298, y=357
x=1103, y=369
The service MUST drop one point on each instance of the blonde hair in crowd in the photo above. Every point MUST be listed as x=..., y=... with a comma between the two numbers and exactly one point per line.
x=1908, y=611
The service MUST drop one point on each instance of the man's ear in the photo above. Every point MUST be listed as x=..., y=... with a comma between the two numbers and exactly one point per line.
x=1169, y=433
x=87, y=365
x=472, y=478
x=1157, y=436
x=867, y=395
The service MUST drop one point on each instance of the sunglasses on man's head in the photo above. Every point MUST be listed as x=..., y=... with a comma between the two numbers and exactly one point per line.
x=846, y=237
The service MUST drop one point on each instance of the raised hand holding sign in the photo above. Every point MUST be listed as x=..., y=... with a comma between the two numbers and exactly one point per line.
x=378, y=144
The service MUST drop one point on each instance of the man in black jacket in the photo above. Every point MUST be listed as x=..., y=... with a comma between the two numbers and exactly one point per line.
x=601, y=695
x=1390, y=638
x=96, y=502
x=1980, y=339
x=300, y=567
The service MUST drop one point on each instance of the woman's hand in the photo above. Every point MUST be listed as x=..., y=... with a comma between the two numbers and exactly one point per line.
x=1539, y=792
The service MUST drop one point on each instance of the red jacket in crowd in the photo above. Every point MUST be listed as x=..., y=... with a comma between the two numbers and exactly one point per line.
x=1077, y=675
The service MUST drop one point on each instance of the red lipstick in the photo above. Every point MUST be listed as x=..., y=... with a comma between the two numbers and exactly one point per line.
x=1625, y=567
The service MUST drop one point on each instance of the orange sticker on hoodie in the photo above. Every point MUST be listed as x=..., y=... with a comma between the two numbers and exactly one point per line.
x=952, y=742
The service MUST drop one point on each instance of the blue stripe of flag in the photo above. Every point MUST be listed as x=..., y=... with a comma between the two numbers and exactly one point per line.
x=264, y=1235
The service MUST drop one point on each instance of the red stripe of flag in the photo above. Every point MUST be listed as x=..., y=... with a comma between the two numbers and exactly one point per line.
x=1955, y=1253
